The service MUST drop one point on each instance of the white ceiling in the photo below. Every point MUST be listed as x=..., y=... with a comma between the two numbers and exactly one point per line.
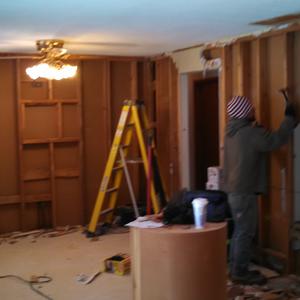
x=131, y=27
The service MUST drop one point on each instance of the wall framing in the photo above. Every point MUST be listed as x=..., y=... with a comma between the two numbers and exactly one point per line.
x=258, y=67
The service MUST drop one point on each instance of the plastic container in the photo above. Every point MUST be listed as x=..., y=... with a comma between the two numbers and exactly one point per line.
x=199, y=209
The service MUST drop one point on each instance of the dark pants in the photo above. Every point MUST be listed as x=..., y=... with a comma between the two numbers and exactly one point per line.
x=245, y=214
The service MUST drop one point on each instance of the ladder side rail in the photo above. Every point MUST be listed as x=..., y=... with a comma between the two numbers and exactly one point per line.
x=147, y=127
x=141, y=141
x=119, y=175
x=129, y=183
x=108, y=169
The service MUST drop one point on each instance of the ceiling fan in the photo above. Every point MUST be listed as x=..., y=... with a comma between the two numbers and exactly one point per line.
x=56, y=47
x=52, y=61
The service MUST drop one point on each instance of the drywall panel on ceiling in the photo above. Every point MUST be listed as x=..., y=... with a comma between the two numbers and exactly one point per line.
x=188, y=60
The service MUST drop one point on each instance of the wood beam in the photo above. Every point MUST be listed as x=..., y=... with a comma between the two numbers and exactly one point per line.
x=225, y=93
x=12, y=199
x=289, y=83
x=21, y=127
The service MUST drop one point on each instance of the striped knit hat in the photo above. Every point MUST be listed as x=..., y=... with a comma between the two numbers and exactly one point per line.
x=239, y=107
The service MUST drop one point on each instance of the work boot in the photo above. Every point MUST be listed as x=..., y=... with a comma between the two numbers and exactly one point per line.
x=249, y=278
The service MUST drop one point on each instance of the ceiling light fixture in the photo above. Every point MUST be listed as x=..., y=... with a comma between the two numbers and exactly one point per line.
x=51, y=65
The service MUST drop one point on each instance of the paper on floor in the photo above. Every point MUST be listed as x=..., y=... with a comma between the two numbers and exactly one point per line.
x=143, y=222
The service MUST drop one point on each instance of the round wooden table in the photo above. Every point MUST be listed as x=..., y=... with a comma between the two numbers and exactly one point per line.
x=179, y=262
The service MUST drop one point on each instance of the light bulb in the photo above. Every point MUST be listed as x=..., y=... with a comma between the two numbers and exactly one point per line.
x=47, y=71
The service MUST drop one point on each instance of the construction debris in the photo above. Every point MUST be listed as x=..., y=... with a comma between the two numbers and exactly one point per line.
x=278, y=288
x=86, y=279
x=14, y=237
x=118, y=264
x=34, y=280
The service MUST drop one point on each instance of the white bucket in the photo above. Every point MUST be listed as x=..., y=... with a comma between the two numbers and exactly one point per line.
x=199, y=209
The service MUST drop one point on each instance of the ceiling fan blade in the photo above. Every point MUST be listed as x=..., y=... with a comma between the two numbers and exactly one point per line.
x=98, y=44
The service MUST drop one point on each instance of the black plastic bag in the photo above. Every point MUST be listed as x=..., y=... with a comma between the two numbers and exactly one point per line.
x=179, y=210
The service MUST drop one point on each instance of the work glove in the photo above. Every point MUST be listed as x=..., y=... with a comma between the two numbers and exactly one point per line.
x=290, y=110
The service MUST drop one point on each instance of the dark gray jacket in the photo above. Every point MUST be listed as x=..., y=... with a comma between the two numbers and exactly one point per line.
x=245, y=154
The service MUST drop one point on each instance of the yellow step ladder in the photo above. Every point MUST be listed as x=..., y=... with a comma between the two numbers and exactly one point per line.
x=110, y=185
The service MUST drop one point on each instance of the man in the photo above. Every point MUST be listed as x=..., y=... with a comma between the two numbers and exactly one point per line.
x=245, y=151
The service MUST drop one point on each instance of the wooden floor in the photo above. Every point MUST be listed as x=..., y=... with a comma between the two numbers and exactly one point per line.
x=63, y=258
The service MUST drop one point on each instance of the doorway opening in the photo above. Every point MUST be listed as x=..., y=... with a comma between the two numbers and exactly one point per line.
x=205, y=115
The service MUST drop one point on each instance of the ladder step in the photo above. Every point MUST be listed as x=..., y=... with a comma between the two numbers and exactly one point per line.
x=129, y=124
x=117, y=168
x=124, y=146
x=106, y=211
x=111, y=190
x=130, y=161
x=134, y=161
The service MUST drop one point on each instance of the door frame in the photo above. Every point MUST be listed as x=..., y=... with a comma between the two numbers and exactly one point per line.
x=186, y=123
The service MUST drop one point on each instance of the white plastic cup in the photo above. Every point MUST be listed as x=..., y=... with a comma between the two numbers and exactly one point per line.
x=199, y=209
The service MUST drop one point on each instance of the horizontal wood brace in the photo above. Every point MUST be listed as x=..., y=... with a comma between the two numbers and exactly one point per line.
x=51, y=140
x=32, y=175
x=67, y=173
x=38, y=198
x=46, y=102
x=11, y=199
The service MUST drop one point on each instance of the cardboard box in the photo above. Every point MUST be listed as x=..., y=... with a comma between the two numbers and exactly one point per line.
x=118, y=264
x=212, y=186
x=214, y=174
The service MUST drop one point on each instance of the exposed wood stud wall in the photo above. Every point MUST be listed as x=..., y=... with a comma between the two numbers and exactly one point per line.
x=167, y=123
x=259, y=53
x=20, y=134
x=258, y=68
x=242, y=68
x=48, y=124
x=62, y=141
x=289, y=40
x=117, y=80
x=53, y=187
x=225, y=93
x=96, y=126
